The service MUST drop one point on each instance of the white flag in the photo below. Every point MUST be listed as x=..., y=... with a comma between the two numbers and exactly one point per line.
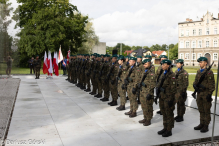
x=60, y=55
x=50, y=71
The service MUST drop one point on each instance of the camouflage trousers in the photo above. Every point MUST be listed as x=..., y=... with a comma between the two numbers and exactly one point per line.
x=94, y=84
x=37, y=72
x=99, y=85
x=69, y=74
x=105, y=88
x=204, y=108
x=73, y=76
x=87, y=80
x=113, y=90
x=167, y=111
x=132, y=99
x=147, y=106
x=180, y=102
x=122, y=94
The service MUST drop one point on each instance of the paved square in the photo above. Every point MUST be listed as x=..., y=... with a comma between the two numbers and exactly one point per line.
x=57, y=113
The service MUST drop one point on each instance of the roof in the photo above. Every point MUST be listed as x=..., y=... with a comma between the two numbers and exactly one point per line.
x=158, y=53
x=128, y=51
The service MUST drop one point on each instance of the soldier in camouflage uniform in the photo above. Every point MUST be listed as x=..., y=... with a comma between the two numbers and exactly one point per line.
x=73, y=74
x=152, y=66
x=130, y=82
x=182, y=82
x=166, y=90
x=147, y=85
x=120, y=79
x=103, y=78
x=93, y=64
x=139, y=69
x=37, y=64
x=159, y=72
x=205, y=91
x=127, y=65
x=97, y=79
x=87, y=74
x=113, y=70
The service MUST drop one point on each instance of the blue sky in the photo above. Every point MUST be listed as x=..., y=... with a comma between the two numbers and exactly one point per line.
x=141, y=22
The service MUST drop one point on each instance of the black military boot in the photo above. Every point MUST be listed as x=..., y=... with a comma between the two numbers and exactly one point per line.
x=92, y=93
x=133, y=114
x=167, y=133
x=96, y=95
x=114, y=103
x=159, y=112
x=139, y=102
x=110, y=103
x=176, y=117
x=128, y=113
x=180, y=119
x=127, y=98
x=147, y=123
x=104, y=99
x=121, y=108
x=66, y=79
x=162, y=131
x=142, y=121
x=199, y=127
x=99, y=96
x=204, y=129
x=88, y=90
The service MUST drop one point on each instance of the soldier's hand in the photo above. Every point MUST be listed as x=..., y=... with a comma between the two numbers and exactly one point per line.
x=209, y=99
x=195, y=87
x=148, y=97
x=126, y=82
x=170, y=103
x=123, y=87
x=143, y=84
x=155, y=100
x=134, y=91
x=112, y=82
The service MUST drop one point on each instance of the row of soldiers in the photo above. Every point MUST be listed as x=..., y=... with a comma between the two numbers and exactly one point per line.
x=119, y=75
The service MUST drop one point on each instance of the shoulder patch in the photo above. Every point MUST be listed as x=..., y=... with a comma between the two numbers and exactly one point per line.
x=152, y=74
x=173, y=78
x=209, y=73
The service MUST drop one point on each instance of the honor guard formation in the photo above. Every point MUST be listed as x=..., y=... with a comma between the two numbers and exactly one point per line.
x=137, y=78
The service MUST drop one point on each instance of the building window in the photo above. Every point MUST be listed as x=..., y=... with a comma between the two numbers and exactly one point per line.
x=181, y=56
x=181, y=44
x=207, y=44
x=182, y=33
x=215, y=56
x=207, y=31
x=194, y=32
x=215, y=30
x=187, y=32
x=200, y=31
x=193, y=44
x=199, y=44
x=207, y=21
x=193, y=56
x=187, y=56
x=187, y=44
x=199, y=55
x=215, y=43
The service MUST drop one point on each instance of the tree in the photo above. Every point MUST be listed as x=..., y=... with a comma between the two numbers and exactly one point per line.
x=173, y=52
x=91, y=39
x=156, y=47
x=45, y=25
x=5, y=39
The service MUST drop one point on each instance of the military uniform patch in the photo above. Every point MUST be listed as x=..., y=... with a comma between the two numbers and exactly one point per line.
x=173, y=78
x=124, y=72
x=210, y=78
x=186, y=77
x=173, y=83
x=152, y=77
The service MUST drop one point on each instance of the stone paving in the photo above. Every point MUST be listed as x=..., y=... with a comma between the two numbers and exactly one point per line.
x=8, y=91
x=57, y=113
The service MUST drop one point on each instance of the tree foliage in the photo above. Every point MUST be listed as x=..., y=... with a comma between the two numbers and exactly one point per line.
x=173, y=52
x=45, y=25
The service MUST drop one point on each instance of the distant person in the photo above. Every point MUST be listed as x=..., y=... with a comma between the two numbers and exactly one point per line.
x=31, y=65
x=9, y=66
x=37, y=64
x=64, y=64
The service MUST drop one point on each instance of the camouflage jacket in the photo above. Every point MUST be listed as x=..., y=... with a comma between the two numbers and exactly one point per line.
x=123, y=72
x=132, y=76
x=37, y=63
x=114, y=72
x=158, y=72
x=149, y=81
x=139, y=69
x=182, y=80
x=208, y=82
x=169, y=85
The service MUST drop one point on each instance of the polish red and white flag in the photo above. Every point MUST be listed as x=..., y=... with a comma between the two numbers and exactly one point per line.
x=45, y=65
x=50, y=70
x=55, y=64
x=60, y=55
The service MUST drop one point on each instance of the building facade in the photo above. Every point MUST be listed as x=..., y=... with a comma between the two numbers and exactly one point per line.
x=199, y=38
x=100, y=48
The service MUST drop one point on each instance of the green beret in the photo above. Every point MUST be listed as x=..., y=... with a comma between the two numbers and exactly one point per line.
x=166, y=61
x=163, y=56
x=146, y=60
x=132, y=58
x=114, y=55
x=71, y=55
x=126, y=57
x=148, y=56
x=139, y=56
x=121, y=57
x=202, y=59
x=98, y=55
x=180, y=61
x=37, y=55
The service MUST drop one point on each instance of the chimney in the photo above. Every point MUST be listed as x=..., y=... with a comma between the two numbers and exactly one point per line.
x=187, y=19
x=201, y=19
x=218, y=15
x=190, y=20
